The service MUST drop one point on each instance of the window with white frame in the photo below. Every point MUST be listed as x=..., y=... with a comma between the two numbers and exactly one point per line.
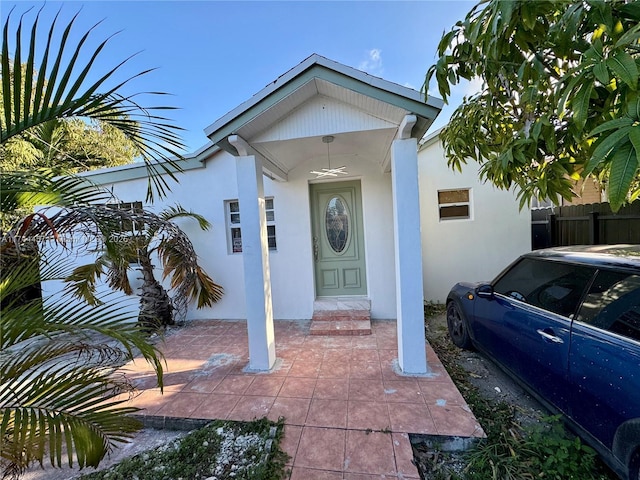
x=454, y=204
x=234, y=225
x=128, y=226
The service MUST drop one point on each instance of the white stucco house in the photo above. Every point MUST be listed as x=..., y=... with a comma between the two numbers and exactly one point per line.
x=319, y=187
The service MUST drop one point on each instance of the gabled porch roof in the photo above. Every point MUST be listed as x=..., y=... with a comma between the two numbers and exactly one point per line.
x=385, y=102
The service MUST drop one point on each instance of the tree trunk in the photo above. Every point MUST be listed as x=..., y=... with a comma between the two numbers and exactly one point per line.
x=156, y=310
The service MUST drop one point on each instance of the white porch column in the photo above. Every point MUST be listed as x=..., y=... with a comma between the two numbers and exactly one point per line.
x=255, y=255
x=412, y=355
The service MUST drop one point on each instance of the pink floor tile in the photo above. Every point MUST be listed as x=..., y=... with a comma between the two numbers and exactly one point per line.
x=216, y=406
x=332, y=388
x=368, y=415
x=404, y=455
x=150, y=401
x=182, y=405
x=334, y=369
x=298, y=473
x=321, y=448
x=366, y=390
x=366, y=371
x=298, y=387
x=406, y=391
x=364, y=355
x=369, y=452
x=327, y=413
x=411, y=417
x=441, y=393
x=251, y=408
x=265, y=385
x=304, y=368
x=454, y=420
x=234, y=384
x=202, y=384
x=339, y=396
x=290, y=440
x=293, y=410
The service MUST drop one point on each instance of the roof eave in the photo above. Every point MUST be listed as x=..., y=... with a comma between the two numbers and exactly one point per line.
x=330, y=71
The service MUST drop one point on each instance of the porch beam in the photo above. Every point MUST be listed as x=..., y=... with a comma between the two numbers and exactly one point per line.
x=268, y=167
x=412, y=355
x=255, y=256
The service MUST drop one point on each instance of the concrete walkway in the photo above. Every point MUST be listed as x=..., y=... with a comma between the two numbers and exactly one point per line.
x=347, y=411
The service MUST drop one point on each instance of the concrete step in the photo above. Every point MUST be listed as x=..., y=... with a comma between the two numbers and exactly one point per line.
x=341, y=322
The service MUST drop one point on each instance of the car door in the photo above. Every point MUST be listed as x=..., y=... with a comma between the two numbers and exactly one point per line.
x=526, y=326
x=604, y=361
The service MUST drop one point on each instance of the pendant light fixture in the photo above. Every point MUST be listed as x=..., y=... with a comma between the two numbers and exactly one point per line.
x=329, y=172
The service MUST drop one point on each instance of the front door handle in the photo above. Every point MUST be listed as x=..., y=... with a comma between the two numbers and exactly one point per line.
x=315, y=249
x=549, y=336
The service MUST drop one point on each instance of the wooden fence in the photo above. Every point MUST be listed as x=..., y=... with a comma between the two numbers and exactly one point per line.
x=592, y=224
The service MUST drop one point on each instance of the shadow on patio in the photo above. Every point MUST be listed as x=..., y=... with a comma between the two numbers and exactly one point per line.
x=347, y=411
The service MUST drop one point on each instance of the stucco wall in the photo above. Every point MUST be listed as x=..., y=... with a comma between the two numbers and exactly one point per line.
x=454, y=250
x=474, y=249
x=205, y=190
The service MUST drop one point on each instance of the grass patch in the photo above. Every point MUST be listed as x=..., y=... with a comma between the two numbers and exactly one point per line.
x=545, y=450
x=219, y=451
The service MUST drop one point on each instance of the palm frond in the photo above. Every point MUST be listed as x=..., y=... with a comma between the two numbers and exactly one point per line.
x=178, y=211
x=57, y=388
x=32, y=96
x=27, y=189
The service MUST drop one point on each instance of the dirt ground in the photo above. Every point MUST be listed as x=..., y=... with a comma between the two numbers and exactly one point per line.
x=487, y=377
x=492, y=384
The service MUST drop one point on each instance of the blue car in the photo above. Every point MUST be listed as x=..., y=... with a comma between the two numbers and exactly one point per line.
x=565, y=323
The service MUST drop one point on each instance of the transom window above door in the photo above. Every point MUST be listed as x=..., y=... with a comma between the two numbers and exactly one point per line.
x=234, y=225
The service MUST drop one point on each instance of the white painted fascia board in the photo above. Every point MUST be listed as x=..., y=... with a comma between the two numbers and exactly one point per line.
x=137, y=170
x=261, y=95
x=380, y=82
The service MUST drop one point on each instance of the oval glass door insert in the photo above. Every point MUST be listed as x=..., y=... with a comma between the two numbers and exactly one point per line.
x=337, y=224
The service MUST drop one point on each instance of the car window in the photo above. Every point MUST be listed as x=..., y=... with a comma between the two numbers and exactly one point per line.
x=613, y=303
x=554, y=286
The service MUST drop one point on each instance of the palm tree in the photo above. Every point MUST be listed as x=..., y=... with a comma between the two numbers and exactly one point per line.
x=129, y=240
x=57, y=388
x=57, y=385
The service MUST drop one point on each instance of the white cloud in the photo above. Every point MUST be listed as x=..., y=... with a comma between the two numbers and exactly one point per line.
x=373, y=63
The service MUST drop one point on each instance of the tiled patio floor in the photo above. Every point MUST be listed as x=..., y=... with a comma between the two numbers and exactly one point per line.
x=347, y=412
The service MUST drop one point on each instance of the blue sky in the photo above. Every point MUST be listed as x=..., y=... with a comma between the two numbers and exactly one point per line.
x=212, y=56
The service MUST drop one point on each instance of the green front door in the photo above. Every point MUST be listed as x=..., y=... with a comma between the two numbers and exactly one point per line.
x=338, y=239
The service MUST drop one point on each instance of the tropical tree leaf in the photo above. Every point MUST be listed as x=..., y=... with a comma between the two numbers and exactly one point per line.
x=624, y=167
x=624, y=66
x=29, y=101
x=580, y=58
x=57, y=390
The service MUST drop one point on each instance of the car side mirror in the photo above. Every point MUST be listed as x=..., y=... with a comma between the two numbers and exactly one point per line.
x=485, y=291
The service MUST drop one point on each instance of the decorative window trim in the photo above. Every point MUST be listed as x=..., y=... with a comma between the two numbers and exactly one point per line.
x=455, y=204
x=234, y=225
